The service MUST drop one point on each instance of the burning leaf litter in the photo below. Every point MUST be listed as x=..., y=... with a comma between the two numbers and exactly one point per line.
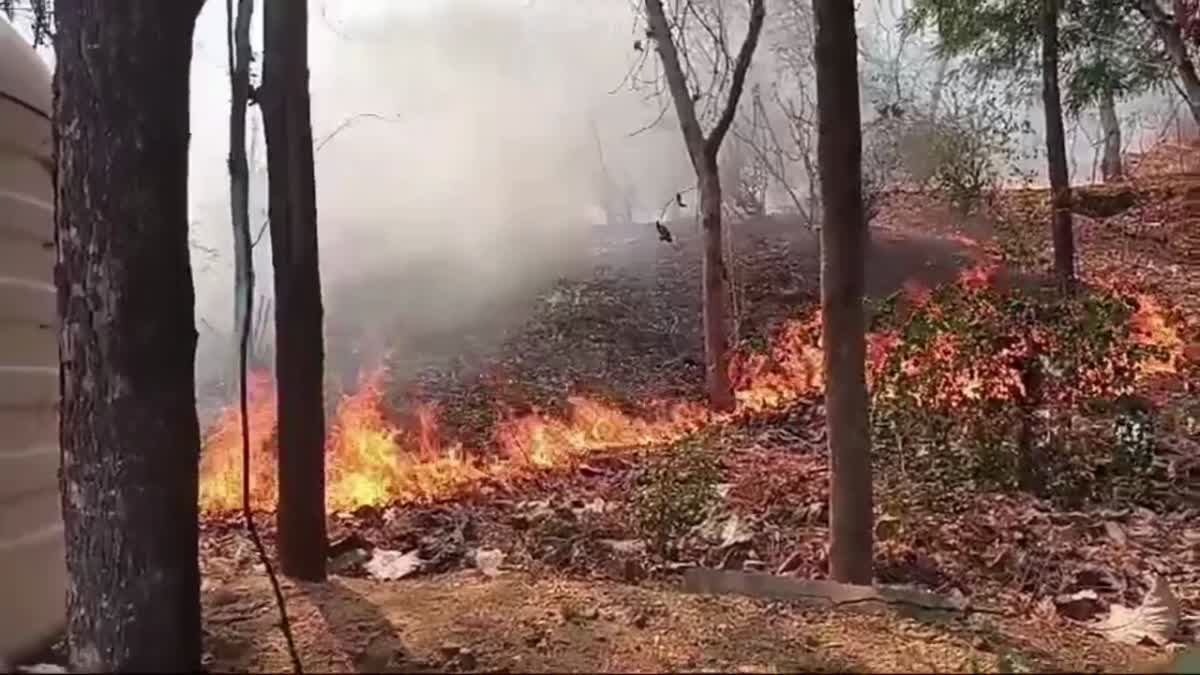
x=550, y=489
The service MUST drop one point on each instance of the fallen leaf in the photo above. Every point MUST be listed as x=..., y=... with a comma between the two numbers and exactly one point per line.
x=735, y=532
x=1154, y=621
x=1115, y=532
x=624, y=546
x=388, y=565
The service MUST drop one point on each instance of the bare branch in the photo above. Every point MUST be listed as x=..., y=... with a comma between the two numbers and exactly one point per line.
x=685, y=109
x=758, y=13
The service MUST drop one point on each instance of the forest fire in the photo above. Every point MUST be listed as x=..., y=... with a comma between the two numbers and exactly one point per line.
x=373, y=460
x=1152, y=328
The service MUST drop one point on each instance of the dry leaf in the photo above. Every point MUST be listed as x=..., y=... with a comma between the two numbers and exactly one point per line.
x=735, y=532
x=488, y=561
x=1115, y=532
x=388, y=565
x=1154, y=621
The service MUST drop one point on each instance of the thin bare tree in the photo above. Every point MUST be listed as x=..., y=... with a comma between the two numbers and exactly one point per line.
x=671, y=38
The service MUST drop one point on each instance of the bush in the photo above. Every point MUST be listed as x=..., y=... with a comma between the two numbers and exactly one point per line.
x=982, y=387
x=675, y=493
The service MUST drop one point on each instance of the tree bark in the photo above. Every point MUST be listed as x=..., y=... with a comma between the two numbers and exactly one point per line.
x=1056, y=151
x=1110, y=165
x=1169, y=32
x=715, y=305
x=843, y=278
x=703, y=152
x=127, y=342
x=299, y=343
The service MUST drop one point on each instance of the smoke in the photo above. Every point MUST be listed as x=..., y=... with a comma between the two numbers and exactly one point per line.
x=466, y=153
x=468, y=150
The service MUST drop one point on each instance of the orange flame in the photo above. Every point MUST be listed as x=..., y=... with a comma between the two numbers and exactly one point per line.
x=372, y=460
x=221, y=461
x=1151, y=328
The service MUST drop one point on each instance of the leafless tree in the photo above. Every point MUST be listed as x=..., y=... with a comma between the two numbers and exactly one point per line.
x=705, y=80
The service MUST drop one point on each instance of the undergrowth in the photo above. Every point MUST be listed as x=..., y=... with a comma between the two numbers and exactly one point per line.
x=674, y=494
x=985, y=388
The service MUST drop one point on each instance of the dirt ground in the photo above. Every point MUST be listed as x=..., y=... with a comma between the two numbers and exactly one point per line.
x=520, y=623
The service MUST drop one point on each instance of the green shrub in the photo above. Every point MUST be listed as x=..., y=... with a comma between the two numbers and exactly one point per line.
x=675, y=493
x=984, y=386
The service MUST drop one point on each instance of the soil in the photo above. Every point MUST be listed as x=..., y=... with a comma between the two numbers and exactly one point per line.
x=521, y=623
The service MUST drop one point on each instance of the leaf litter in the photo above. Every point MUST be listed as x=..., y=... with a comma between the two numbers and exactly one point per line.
x=1078, y=589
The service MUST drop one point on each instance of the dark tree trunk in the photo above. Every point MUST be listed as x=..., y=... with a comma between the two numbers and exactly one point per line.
x=1169, y=32
x=1110, y=126
x=299, y=343
x=1029, y=464
x=127, y=343
x=1056, y=151
x=843, y=248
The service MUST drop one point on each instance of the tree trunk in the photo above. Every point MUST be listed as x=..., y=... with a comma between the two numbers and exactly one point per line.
x=939, y=84
x=716, y=292
x=299, y=345
x=1110, y=126
x=1056, y=151
x=843, y=249
x=703, y=152
x=239, y=179
x=127, y=343
x=1169, y=32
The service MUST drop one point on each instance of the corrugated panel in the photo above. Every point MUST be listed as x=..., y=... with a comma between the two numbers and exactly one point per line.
x=32, y=569
x=29, y=454
x=28, y=343
x=34, y=589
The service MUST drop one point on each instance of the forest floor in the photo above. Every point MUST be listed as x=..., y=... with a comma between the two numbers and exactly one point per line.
x=552, y=573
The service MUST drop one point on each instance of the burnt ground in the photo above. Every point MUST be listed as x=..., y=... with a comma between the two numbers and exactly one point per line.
x=621, y=323
x=581, y=589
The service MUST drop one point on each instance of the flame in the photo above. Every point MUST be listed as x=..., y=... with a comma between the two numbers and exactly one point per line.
x=221, y=461
x=1152, y=329
x=376, y=458
x=372, y=459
